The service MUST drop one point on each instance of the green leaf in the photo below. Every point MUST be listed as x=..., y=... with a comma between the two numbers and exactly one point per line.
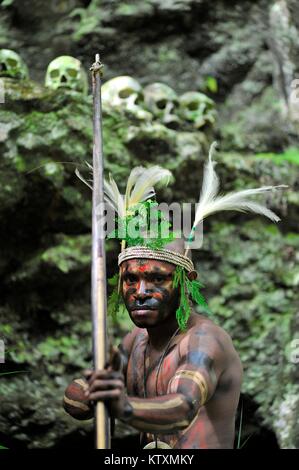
x=6, y=3
x=211, y=84
x=193, y=288
x=113, y=281
x=113, y=304
x=15, y=372
x=184, y=310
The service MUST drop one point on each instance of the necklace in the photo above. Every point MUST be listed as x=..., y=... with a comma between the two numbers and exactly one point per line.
x=156, y=443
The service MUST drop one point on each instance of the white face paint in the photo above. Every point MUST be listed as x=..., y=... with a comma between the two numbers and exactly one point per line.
x=66, y=72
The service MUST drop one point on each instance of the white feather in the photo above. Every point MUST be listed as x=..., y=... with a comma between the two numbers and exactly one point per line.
x=140, y=187
x=210, y=203
x=135, y=173
x=210, y=184
x=78, y=174
x=114, y=197
x=239, y=201
x=145, y=182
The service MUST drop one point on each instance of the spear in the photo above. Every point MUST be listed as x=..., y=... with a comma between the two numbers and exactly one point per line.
x=98, y=270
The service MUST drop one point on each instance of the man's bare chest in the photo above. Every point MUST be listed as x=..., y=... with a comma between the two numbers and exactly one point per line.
x=149, y=372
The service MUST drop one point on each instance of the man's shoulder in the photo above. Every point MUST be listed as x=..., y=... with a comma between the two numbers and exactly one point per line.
x=130, y=338
x=203, y=326
x=207, y=334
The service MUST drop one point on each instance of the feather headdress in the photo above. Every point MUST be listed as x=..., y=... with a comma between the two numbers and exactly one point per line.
x=210, y=201
x=140, y=188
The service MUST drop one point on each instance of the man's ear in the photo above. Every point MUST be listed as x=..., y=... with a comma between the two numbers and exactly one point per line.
x=192, y=275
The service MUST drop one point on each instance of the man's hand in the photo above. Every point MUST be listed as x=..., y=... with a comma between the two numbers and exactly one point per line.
x=108, y=385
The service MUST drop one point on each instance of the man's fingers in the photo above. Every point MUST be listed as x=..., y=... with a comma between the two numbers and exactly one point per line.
x=98, y=385
x=103, y=374
x=105, y=395
x=90, y=374
x=115, y=358
x=87, y=373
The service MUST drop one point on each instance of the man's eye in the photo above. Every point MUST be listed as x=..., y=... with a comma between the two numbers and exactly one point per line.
x=130, y=279
x=158, y=279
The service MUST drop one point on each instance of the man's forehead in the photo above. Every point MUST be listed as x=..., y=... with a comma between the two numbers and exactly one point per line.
x=146, y=265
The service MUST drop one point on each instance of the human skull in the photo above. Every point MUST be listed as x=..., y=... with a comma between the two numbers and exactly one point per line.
x=12, y=65
x=66, y=72
x=197, y=108
x=162, y=101
x=124, y=93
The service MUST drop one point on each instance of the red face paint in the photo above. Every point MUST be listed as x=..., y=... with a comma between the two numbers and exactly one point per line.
x=143, y=268
x=148, y=291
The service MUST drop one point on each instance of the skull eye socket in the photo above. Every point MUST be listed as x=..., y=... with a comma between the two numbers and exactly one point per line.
x=139, y=100
x=12, y=62
x=161, y=104
x=192, y=106
x=125, y=93
x=54, y=73
x=72, y=73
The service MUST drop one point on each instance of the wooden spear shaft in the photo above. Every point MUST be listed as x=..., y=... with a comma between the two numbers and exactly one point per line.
x=98, y=271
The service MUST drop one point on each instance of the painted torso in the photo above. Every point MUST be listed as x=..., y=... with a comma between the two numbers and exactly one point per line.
x=214, y=424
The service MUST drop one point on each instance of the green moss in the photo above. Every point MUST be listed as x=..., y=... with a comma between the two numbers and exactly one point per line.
x=126, y=9
x=291, y=155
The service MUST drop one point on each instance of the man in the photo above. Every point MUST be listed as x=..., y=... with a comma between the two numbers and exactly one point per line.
x=176, y=376
x=178, y=387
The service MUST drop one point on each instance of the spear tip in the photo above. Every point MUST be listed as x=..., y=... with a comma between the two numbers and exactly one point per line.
x=97, y=66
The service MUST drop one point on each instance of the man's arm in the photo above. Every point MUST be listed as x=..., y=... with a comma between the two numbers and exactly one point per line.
x=75, y=402
x=125, y=349
x=193, y=384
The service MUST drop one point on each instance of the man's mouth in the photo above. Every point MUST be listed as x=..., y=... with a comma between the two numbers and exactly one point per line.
x=143, y=307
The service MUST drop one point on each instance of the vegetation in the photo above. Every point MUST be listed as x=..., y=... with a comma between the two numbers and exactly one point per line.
x=249, y=267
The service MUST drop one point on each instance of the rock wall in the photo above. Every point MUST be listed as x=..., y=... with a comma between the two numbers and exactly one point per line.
x=250, y=267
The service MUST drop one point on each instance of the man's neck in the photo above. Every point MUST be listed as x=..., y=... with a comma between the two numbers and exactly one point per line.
x=160, y=336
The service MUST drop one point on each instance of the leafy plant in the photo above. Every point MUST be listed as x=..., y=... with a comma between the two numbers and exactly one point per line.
x=188, y=289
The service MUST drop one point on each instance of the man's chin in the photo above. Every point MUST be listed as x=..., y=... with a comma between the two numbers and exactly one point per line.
x=144, y=318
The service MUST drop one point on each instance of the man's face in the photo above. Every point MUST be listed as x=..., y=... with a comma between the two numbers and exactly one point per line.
x=148, y=292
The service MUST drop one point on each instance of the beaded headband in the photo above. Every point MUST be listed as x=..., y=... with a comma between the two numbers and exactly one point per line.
x=160, y=255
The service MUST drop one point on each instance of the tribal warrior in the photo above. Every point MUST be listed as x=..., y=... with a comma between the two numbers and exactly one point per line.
x=176, y=377
x=178, y=387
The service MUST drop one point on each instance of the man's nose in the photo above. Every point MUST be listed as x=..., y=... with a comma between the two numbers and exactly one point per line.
x=142, y=291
